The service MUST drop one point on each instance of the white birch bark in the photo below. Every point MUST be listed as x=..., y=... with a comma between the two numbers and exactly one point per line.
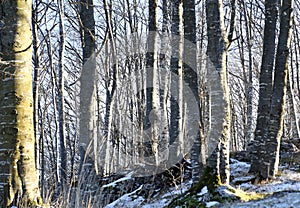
x=152, y=81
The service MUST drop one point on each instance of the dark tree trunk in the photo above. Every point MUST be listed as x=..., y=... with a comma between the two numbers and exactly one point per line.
x=275, y=128
x=190, y=78
x=152, y=82
x=258, y=150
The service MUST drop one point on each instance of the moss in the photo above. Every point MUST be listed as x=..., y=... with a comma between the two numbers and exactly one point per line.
x=188, y=201
x=190, y=198
x=214, y=186
x=209, y=179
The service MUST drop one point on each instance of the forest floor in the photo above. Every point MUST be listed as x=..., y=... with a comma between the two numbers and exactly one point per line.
x=282, y=192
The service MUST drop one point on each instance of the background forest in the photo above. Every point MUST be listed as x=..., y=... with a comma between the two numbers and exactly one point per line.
x=159, y=91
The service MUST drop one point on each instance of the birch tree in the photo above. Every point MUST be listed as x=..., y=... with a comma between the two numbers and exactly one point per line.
x=61, y=99
x=18, y=177
x=190, y=79
x=267, y=141
x=265, y=84
x=219, y=90
x=152, y=80
x=164, y=64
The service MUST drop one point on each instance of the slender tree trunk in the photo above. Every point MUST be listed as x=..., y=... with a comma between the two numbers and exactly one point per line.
x=250, y=88
x=294, y=84
x=265, y=88
x=61, y=99
x=165, y=77
x=219, y=90
x=293, y=105
x=88, y=129
x=19, y=176
x=203, y=90
x=110, y=101
x=176, y=122
x=36, y=78
x=152, y=81
x=190, y=79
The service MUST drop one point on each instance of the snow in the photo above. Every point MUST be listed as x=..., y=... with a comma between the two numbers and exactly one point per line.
x=283, y=192
x=204, y=191
x=282, y=200
x=159, y=203
x=126, y=200
x=178, y=190
x=114, y=183
x=289, y=181
x=212, y=203
x=238, y=167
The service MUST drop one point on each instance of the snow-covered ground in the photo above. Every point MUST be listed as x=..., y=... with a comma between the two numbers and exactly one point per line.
x=282, y=192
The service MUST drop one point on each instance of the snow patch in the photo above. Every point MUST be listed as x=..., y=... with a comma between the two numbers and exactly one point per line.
x=126, y=200
x=204, y=191
x=212, y=203
x=114, y=183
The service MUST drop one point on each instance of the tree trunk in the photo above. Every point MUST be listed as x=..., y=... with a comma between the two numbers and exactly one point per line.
x=176, y=119
x=165, y=75
x=219, y=91
x=295, y=124
x=88, y=129
x=152, y=83
x=275, y=128
x=249, y=86
x=88, y=107
x=110, y=101
x=61, y=99
x=265, y=90
x=190, y=79
x=18, y=177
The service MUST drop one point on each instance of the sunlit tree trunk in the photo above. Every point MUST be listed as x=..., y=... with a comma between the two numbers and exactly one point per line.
x=219, y=90
x=18, y=176
x=164, y=60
